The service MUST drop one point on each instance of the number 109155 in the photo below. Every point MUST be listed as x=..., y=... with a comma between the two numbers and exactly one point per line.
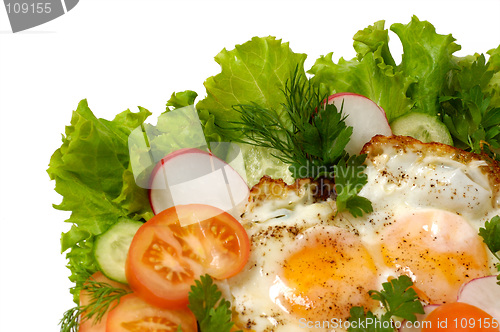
x=24, y=8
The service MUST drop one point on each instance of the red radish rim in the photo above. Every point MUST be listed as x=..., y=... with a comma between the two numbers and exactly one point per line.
x=174, y=154
x=460, y=291
x=341, y=94
x=162, y=161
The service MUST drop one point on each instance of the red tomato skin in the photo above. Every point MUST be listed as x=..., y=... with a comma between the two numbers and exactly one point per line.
x=156, y=289
x=175, y=297
x=88, y=325
x=133, y=309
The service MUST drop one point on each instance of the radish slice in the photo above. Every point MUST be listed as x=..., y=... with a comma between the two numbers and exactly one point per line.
x=483, y=293
x=407, y=326
x=365, y=117
x=193, y=176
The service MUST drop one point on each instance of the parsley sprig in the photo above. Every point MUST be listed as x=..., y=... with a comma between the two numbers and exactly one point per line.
x=398, y=299
x=349, y=179
x=212, y=312
x=103, y=297
x=309, y=135
x=491, y=237
x=467, y=112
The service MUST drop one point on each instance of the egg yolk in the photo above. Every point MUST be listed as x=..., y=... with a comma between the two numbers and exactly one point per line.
x=459, y=316
x=439, y=250
x=330, y=273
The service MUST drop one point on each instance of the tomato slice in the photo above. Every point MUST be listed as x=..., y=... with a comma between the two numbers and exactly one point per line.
x=89, y=325
x=165, y=258
x=133, y=314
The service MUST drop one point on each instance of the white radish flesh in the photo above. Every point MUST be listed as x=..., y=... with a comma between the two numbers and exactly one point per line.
x=365, y=117
x=483, y=293
x=193, y=176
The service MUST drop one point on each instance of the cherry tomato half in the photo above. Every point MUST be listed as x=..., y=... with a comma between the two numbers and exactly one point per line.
x=134, y=314
x=166, y=258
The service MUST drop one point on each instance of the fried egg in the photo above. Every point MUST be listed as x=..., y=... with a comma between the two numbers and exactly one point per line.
x=309, y=264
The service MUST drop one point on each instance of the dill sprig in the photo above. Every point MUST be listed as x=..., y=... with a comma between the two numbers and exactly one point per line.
x=103, y=297
x=307, y=133
x=310, y=135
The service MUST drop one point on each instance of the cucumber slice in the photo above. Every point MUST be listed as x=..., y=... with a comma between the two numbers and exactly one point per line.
x=424, y=127
x=111, y=248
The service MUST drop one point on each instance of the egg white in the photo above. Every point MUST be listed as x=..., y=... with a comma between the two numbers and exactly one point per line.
x=274, y=228
x=400, y=182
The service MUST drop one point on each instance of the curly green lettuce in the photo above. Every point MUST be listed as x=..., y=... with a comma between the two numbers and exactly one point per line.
x=427, y=58
x=92, y=173
x=412, y=86
x=372, y=73
x=254, y=72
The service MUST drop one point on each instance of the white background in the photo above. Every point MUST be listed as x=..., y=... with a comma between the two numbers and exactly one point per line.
x=121, y=54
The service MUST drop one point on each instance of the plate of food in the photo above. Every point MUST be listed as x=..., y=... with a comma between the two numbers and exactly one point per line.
x=355, y=194
x=283, y=187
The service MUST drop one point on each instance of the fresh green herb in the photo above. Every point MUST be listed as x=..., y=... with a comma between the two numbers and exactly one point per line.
x=311, y=137
x=210, y=309
x=361, y=322
x=491, y=237
x=349, y=179
x=103, y=297
x=307, y=134
x=398, y=299
x=467, y=110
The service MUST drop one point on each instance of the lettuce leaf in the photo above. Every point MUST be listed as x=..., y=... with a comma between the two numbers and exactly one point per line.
x=93, y=174
x=181, y=99
x=371, y=39
x=177, y=128
x=254, y=72
x=427, y=58
x=413, y=85
x=372, y=73
x=187, y=98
